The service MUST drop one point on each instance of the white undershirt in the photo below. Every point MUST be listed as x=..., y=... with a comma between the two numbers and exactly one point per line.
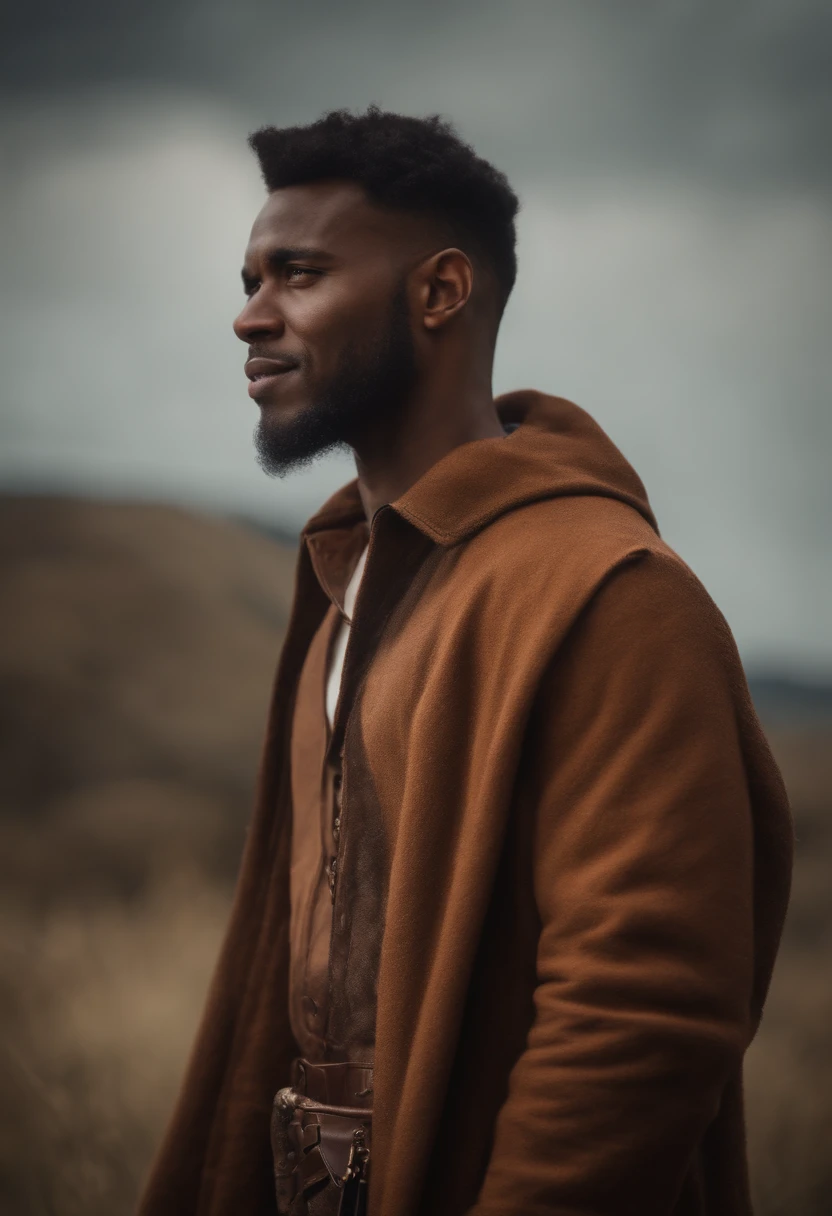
x=339, y=648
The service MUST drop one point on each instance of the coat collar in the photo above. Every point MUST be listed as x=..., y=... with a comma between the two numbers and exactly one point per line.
x=556, y=450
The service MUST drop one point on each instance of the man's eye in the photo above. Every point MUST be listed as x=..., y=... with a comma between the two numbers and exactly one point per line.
x=297, y=274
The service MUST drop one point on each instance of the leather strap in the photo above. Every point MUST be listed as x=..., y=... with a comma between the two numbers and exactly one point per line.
x=346, y=1084
x=321, y=1126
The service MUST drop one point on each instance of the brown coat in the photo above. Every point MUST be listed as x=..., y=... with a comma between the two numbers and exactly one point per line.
x=588, y=848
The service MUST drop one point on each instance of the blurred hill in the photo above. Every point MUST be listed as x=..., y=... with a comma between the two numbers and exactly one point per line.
x=137, y=649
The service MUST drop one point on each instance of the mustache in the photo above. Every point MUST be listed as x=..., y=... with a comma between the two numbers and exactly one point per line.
x=261, y=350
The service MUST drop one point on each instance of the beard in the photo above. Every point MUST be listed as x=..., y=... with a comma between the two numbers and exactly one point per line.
x=372, y=384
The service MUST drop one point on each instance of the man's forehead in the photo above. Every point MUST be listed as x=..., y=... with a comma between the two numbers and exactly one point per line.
x=323, y=215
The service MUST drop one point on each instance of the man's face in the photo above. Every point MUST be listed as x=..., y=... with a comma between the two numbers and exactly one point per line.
x=326, y=321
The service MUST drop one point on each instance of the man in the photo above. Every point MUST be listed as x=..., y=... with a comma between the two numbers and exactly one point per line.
x=514, y=885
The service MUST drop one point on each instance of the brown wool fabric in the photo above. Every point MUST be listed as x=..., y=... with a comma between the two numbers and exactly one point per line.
x=566, y=859
x=313, y=845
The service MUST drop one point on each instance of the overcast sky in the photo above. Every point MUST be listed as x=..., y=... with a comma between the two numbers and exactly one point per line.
x=675, y=249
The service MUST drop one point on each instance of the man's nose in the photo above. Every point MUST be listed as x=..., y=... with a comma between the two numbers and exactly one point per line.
x=258, y=320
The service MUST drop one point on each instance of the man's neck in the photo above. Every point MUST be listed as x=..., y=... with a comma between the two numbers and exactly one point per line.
x=396, y=457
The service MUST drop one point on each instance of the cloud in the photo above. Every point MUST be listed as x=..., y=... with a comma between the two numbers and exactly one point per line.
x=690, y=319
x=738, y=93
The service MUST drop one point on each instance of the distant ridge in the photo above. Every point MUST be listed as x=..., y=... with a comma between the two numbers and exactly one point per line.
x=64, y=536
x=784, y=700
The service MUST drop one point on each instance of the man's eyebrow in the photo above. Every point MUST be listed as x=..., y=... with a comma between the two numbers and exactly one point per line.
x=277, y=258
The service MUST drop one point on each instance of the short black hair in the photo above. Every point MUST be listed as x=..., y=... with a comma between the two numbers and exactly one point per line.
x=419, y=165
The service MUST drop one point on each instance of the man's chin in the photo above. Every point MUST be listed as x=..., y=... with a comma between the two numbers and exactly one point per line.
x=287, y=443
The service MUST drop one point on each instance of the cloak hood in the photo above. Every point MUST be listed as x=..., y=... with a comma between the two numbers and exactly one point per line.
x=556, y=450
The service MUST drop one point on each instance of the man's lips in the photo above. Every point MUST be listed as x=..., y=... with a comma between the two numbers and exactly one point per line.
x=263, y=373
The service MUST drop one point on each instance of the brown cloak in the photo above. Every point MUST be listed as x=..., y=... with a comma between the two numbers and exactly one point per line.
x=553, y=751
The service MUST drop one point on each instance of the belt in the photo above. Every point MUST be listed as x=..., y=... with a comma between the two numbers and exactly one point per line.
x=321, y=1129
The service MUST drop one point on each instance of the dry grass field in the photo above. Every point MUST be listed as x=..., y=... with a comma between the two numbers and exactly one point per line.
x=137, y=646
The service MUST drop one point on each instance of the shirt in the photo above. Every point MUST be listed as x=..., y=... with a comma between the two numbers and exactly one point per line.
x=339, y=649
x=316, y=798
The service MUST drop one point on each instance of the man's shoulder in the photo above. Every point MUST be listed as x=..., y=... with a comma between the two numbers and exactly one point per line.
x=576, y=538
x=555, y=557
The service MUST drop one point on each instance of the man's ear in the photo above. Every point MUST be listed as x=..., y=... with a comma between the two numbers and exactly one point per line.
x=446, y=281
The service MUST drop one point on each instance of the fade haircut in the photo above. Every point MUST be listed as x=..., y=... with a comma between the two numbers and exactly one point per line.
x=416, y=165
